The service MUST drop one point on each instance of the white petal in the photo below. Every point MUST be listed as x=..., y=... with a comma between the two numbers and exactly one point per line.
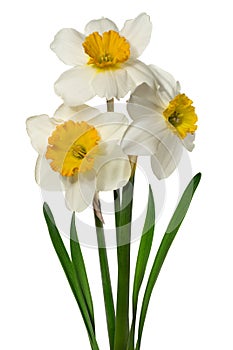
x=68, y=47
x=167, y=83
x=39, y=128
x=145, y=92
x=124, y=82
x=144, y=101
x=118, y=82
x=37, y=169
x=110, y=125
x=188, y=142
x=138, y=32
x=167, y=156
x=143, y=136
x=157, y=97
x=138, y=73
x=112, y=167
x=78, y=113
x=46, y=178
x=80, y=190
x=153, y=99
x=100, y=25
x=74, y=86
x=105, y=85
x=112, y=83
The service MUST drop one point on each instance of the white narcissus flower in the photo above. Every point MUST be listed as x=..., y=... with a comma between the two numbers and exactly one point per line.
x=104, y=59
x=164, y=121
x=79, y=149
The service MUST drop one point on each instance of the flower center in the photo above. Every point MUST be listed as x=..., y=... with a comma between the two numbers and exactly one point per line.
x=71, y=147
x=181, y=115
x=106, y=50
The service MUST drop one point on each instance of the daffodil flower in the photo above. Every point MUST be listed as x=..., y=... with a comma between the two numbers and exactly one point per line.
x=104, y=59
x=79, y=149
x=164, y=121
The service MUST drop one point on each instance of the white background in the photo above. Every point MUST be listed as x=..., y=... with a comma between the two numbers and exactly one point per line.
x=191, y=307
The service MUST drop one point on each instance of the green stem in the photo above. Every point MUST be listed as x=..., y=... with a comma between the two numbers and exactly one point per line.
x=123, y=230
x=106, y=281
x=110, y=105
x=142, y=259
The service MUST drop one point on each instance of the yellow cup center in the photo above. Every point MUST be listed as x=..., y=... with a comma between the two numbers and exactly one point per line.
x=106, y=50
x=71, y=147
x=181, y=116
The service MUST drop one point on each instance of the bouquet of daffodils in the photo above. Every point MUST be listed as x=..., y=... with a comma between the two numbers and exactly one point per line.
x=83, y=151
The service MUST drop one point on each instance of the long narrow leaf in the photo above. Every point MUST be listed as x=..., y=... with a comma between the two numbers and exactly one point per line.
x=167, y=240
x=106, y=282
x=80, y=269
x=142, y=259
x=123, y=231
x=69, y=272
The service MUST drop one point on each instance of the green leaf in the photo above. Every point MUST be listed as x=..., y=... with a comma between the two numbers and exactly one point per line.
x=142, y=259
x=80, y=269
x=106, y=282
x=69, y=272
x=167, y=240
x=123, y=220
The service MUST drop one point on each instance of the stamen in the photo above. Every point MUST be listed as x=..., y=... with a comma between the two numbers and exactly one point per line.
x=175, y=119
x=79, y=151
